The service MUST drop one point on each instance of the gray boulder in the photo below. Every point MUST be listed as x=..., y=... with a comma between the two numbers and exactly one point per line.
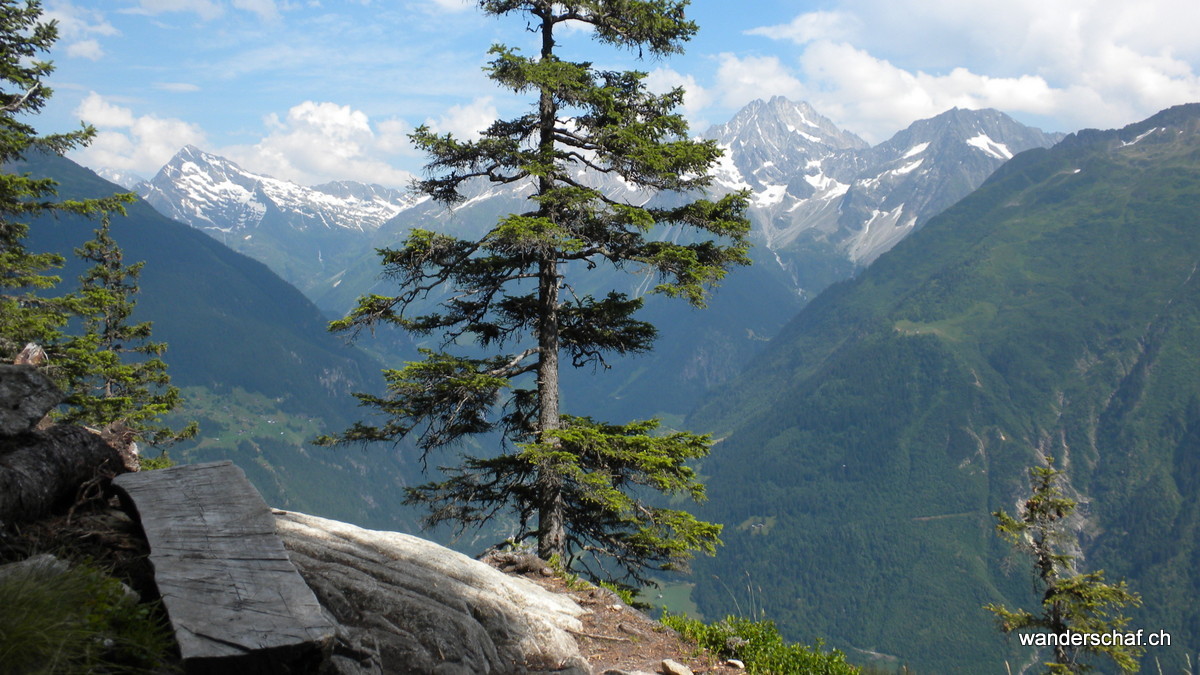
x=406, y=605
x=26, y=395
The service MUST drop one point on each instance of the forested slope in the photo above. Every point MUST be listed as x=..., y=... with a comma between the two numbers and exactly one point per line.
x=1056, y=309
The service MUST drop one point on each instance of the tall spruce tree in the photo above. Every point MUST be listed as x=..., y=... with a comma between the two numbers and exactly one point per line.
x=584, y=489
x=1072, y=601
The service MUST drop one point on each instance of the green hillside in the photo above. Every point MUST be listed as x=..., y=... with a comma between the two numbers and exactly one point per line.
x=259, y=370
x=1056, y=309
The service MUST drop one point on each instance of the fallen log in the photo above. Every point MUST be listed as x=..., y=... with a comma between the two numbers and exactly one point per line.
x=42, y=471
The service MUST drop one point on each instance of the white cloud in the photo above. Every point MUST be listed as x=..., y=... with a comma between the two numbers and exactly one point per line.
x=876, y=65
x=466, y=121
x=78, y=29
x=805, y=28
x=177, y=87
x=126, y=141
x=695, y=97
x=87, y=49
x=205, y=9
x=317, y=142
x=454, y=5
x=741, y=80
x=265, y=9
x=99, y=112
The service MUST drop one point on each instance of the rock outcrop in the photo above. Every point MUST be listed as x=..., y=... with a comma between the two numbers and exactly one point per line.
x=407, y=605
x=43, y=469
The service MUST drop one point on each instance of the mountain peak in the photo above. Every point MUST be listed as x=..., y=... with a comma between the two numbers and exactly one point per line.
x=261, y=216
x=780, y=119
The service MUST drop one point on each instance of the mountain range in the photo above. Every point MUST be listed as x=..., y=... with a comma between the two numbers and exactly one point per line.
x=824, y=205
x=823, y=199
x=1053, y=311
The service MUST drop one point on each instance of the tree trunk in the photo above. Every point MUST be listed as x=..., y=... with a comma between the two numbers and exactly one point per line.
x=41, y=471
x=551, y=527
x=552, y=538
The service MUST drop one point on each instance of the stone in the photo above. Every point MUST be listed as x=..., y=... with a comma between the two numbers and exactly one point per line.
x=672, y=667
x=26, y=395
x=41, y=471
x=513, y=562
x=736, y=663
x=42, y=564
x=630, y=630
x=406, y=605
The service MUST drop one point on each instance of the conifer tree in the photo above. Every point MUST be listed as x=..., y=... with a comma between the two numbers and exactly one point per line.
x=115, y=374
x=1078, y=602
x=101, y=388
x=578, y=486
x=26, y=313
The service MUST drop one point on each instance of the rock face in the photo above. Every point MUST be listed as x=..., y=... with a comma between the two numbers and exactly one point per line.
x=406, y=605
x=26, y=395
x=42, y=469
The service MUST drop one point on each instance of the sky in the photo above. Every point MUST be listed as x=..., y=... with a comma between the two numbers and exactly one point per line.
x=320, y=90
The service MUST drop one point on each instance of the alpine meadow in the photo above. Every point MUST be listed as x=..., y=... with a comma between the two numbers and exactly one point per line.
x=643, y=335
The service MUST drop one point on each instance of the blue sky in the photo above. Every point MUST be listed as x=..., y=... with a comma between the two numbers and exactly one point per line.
x=317, y=90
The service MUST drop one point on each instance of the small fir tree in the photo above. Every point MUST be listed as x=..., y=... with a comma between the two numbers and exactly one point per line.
x=578, y=486
x=88, y=366
x=106, y=387
x=26, y=314
x=1071, y=601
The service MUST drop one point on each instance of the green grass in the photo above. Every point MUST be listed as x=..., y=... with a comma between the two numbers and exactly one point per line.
x=956, y=328
x=226, y=419
x=77, y=621
x=673, y=598
x=759, y=646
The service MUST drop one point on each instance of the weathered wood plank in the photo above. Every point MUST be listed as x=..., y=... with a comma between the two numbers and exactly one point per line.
x=234, y=598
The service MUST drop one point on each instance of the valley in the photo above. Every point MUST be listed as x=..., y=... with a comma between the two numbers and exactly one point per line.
x=878, y=381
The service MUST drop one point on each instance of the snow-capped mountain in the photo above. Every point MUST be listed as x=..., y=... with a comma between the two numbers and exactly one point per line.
x=126, y=179
x=825, y=203
x=767, y=143
x=298, y=231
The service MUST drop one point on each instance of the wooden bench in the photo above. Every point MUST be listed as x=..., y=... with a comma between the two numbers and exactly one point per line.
x=235, y=600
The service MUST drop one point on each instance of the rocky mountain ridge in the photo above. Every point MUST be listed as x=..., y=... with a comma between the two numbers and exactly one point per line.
x=824, y=203
x=823, y=197
x=297, y=231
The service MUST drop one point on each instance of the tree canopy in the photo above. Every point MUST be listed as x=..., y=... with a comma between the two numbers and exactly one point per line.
x=505, y=308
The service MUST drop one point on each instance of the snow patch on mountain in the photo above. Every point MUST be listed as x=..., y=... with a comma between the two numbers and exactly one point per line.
x=916, y=150
x=882, y=231
x=208, y=191
x=986, y=144
x=769, y=196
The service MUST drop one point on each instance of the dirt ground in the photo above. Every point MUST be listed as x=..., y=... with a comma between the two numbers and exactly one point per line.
x=616, y=636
